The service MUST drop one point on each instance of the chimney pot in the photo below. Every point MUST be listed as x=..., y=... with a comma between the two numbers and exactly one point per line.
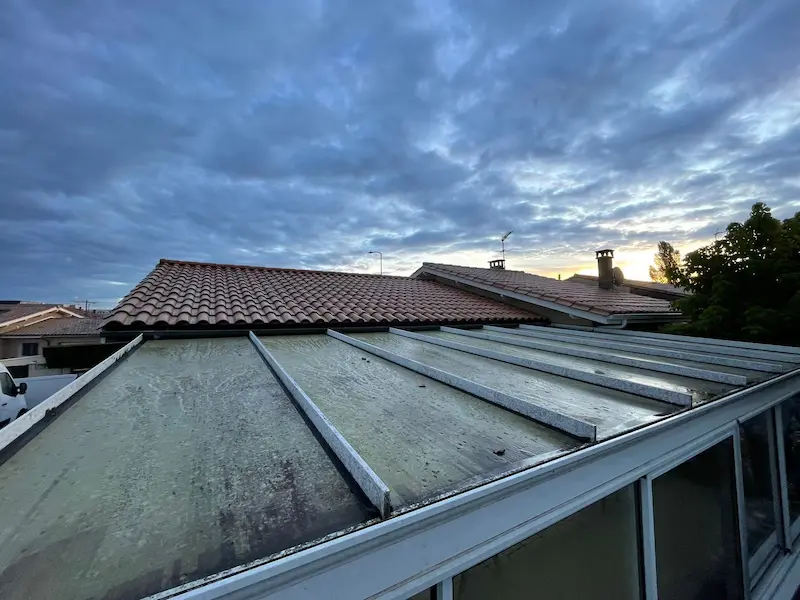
x=605, y=268
x=500, y=263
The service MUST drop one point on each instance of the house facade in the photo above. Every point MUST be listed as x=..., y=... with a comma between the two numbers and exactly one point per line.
x=38, y=340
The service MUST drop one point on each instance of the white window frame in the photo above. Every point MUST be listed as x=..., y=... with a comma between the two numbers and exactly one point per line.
x=663, y=466
x=770, y=548
x=791, y=530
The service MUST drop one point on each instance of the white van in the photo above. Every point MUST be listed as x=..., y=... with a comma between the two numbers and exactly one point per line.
x=12, y=398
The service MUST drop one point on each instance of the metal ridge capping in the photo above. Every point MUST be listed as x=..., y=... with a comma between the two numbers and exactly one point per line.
x=779, y=356
x=607, y=381
x=565, y=423
x=628, y=346
x=13, y=431
x=712, y=342
x=373, y=487
x=577, y=351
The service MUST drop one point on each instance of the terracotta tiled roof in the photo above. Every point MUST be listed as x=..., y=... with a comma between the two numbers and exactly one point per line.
x=575, y=295
x=180, y=293
x=59, y=326
x=635, y=283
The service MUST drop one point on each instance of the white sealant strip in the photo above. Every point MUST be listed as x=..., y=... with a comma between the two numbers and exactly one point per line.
x=547, y=416
x=13, y=431
x=641, y=363
x=634, y=348
x=606, y=381
x=373, y=487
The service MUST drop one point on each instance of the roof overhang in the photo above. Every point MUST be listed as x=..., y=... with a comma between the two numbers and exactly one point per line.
x=650, y=317
x=48, y=313
x=612, y=319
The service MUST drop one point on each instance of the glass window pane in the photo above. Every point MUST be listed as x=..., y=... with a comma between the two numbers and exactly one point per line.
x=791, y=448
x=592, y=554
x=694, y=511
x=428, y=594
x=757, y=473
x=6, y=384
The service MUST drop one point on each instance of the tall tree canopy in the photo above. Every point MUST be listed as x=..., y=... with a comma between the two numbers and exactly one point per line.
x=747, y=284
x=667, y=264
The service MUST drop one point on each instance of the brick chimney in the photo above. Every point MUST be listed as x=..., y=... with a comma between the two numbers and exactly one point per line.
x=500, y=263
x=605, y=269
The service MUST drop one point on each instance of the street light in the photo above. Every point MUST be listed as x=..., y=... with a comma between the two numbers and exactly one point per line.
x=381, y=254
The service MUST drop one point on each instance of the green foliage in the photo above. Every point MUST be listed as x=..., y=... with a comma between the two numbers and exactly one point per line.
x=747, y=284
x=668, y=264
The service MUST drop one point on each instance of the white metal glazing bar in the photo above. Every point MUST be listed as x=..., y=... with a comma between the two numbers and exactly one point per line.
x=648, y=539
x=784, y=487
x=373, y=487
x=741, y=520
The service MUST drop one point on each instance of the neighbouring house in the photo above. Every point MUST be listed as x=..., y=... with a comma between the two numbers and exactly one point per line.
x=42, y=339
x=285, y=433
x=652, y=289
x=565, y=302
x=184, y=295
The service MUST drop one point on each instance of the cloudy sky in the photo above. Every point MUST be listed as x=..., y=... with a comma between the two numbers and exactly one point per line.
x=305, y=133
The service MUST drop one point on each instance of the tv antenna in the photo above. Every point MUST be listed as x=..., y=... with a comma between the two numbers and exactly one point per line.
x=86, y=303
x=503, y=243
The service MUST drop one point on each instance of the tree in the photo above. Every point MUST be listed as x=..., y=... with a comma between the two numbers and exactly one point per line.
x=668, y=264
x=747, y=284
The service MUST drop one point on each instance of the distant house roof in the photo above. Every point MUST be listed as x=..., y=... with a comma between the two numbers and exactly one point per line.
x=178, y=293
x=653, y=289
x=30, y=312
x=21, y=310
x=594, y=304
x=59, y=326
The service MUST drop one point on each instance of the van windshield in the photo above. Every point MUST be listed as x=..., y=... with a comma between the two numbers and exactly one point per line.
x=6, y=384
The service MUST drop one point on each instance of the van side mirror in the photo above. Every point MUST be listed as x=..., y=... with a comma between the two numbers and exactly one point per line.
x=22, y=388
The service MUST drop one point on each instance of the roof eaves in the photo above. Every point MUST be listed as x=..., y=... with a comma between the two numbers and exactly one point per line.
x=70, y=313
x=21, y=334
x=665, y=317
x=21, y=321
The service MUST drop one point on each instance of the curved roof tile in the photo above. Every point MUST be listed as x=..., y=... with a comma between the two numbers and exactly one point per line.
x=205, y=293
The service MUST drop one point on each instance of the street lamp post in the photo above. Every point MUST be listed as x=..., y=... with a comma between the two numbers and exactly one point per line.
x=381, y=256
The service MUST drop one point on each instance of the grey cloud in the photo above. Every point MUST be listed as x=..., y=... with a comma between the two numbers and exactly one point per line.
x=306, y=133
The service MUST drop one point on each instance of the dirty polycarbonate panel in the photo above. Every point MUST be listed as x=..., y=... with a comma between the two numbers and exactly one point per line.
x=699, y=389
x=752, y=376
x=611, y=411
x=421, y=437
x=185, y=460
